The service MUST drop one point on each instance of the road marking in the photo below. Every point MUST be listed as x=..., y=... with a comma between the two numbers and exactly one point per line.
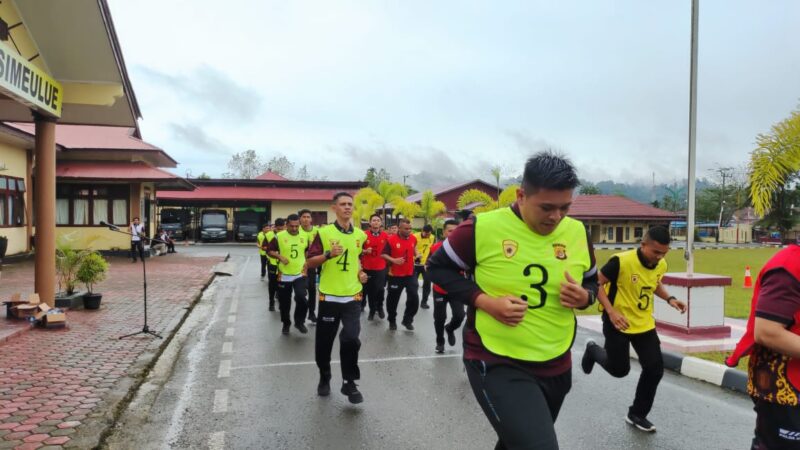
x=221, y=401
x=216, y=441
x=234, y=305
x=232, y=318
x=229, y=331
x=227, y=347
x=224, y=369
x=375, y=360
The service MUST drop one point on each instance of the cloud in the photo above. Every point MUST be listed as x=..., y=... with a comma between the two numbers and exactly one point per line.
x=195, y=137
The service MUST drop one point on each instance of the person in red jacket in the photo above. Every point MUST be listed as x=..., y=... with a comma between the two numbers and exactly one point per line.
x=374, y=266
x=401, y=251
x=441, y=300
x=772, y=340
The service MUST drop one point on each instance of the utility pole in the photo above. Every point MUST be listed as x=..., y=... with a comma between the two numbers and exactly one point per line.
x=724, y=173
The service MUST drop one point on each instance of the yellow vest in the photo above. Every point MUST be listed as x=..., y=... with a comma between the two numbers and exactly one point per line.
x=293, y=248
x=511, y=259
x=635, y=291
x=339, y=275
x=424, y=246
x=261, y=237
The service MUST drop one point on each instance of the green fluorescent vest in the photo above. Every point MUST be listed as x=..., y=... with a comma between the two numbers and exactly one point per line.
x=292, y=248
x=261, y=237
x=514, y=260
x=339, y=275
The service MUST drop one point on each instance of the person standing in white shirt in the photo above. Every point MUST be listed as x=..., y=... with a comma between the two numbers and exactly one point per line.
x=137, y=235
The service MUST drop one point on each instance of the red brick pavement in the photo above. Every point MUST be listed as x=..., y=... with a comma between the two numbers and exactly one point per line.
x=54, y=381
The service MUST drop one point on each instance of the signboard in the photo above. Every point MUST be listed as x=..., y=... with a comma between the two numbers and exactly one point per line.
x=28, y=84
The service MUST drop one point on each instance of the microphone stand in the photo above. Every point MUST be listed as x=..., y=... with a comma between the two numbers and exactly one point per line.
x=145, y=328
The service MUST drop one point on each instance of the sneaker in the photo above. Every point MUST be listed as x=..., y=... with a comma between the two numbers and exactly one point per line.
x=381, y=314
x=272, y=307
x=324, y=386
x=439, y=348
x=424, y=305
x=312, y=317
x=371, y=315
x=451, y=336
x=302, y=328
x=640, y=423
x=587, y=362
x=392, y=326
x=285, y=330
x=350, y=389
x=409, y=326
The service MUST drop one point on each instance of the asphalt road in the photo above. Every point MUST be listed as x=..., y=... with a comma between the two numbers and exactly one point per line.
x=237, y=383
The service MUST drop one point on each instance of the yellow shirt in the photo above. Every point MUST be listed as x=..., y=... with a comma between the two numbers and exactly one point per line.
x=424, y=246
x=633, y=292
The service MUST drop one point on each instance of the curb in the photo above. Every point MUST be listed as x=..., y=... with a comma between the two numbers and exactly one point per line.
x=707, y=371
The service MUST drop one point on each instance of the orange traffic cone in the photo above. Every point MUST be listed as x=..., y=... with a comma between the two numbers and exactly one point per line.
x=748, y=279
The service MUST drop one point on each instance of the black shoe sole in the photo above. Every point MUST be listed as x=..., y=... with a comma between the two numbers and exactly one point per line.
x=324, y=391
x=354, y=398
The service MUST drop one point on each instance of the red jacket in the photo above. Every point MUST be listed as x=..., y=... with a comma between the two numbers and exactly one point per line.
x=402, y=248
x=374, y=261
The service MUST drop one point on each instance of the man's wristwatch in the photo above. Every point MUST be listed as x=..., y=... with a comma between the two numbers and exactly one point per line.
x=327, y=254
x=592, y=298
x=671, y=298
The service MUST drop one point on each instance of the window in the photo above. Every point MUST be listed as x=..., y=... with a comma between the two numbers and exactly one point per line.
x=638, y=232
x=12, y=202
x=627, y=233
x=80, y=205
x=610, y=233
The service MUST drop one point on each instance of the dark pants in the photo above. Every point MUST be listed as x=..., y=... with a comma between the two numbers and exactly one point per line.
x=777, y=426
x=426, y=282
x=137, y=248
x=272, y=287
x=374, y=290
x=396, y=286
x=615, y=359
x=263, y=265
x=440, y=302
x=330, y=315
x=522, y=408
x=285, y=289
x=170, y=247
x=312, y=291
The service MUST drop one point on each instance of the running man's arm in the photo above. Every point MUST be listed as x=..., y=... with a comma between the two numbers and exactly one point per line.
x=778, y=302
x=456, y=254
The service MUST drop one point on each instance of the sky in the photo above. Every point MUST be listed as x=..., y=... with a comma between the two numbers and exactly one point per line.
x=444, y=90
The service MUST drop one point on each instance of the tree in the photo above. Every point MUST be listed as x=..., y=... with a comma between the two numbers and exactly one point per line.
x=674, y=200
x=303, y=174
x=496, y=172
x=430, y=208
x=404, y=208
x=589, y=189
x=280, y=165
x=508, y=196
x=773, y=164
x=374, y=177
x=245, y=165
x=390, y=193
x=204, y=176
x=487, y=203
x=365, y=203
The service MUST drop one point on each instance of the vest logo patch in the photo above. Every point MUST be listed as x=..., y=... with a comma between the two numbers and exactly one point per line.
x=510, y=248
x=634, y=278
x=560, y=251
x=398, y=245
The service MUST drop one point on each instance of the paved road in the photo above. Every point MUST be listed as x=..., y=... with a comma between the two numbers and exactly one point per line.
x=237, y=383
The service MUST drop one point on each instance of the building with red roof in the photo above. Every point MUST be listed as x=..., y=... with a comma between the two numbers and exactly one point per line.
x=616, y=219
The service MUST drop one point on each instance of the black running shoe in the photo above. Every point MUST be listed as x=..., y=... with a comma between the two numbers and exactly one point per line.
x=424, y=305
x=285, y=330
x=324, y=386
x=312, y=317
x=451, y=336
x=392, y=326
x=409, y=326
x=350, y=389
x=640, y=423
x=439, y=348
x=272, y=307
x=302, y=328
x=381, y=314
x=371, y=315
x=587, y=362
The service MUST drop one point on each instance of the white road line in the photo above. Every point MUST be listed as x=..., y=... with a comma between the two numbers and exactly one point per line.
x=224, y=368
x=227, y=347
x=232, y=318
x=229, y=331
x=234, y=306
x=221, y=401
x=309, y=363
x=216, y=441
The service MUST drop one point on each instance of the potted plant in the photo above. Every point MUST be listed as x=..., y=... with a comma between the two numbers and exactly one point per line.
x=92, y=270
x=68, y=261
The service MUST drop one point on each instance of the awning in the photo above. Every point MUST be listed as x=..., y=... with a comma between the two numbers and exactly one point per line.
x=250, y=193
x=119, y=171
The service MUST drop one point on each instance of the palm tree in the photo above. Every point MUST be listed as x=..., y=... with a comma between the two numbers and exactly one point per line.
x=404, y=208
x=508, y=196
x=476, y=196
x=430, y=208
x=365, y=203
x=496, y=171
x=390, y=193
x=774, y=162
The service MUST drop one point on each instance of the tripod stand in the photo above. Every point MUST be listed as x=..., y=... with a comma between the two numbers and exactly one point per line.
x=145, y=329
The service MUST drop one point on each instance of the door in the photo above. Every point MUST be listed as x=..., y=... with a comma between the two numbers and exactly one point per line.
x=619, y=234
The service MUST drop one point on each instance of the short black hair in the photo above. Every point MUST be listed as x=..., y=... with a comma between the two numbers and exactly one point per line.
x=265, y=225
x=548, y=170
x=375, y=215
x=404, y=220
x=280, y=222
x=427, y=228
x=304, y=211
x=659, y=233
x=292, y=217
x=453, y=222
x=341, y=194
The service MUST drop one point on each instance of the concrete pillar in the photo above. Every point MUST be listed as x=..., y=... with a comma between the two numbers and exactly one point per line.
x=28, y=199
x=45, y=207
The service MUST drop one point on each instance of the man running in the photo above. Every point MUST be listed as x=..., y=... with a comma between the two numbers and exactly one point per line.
x=425, y=240
x=289, y=248
x=441, y=299
x=633, y=280
x=311, y=232
x=391, y=231
x=336, y=249
x=772, y=339
x=400, y=253
x=272, y=263
x=526, y=259
x=262, y=243
x=375, y=267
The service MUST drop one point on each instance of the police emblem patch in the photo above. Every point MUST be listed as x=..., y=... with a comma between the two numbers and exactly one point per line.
x=634, y=278
x=510, y=248
x=560, y=251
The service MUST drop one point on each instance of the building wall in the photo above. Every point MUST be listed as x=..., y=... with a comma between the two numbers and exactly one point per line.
x=599, y=230
x=451, y=198
x=736, y=234
x=16, y=161
x=284, y=208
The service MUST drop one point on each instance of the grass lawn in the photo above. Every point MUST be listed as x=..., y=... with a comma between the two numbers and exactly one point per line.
x=729, y=262
x=719, y=357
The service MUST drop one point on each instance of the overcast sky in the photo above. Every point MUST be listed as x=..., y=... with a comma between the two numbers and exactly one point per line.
x=450, y=88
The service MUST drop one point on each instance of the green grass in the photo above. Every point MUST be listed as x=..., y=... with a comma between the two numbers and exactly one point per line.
x=719, y=357
x=728, y=262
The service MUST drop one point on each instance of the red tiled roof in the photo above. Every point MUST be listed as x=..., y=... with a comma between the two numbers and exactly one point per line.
x=441, y=190
x=271, y=176
x=119, y=171
x=260, y=193
x=92, y=137
x=585, y=207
